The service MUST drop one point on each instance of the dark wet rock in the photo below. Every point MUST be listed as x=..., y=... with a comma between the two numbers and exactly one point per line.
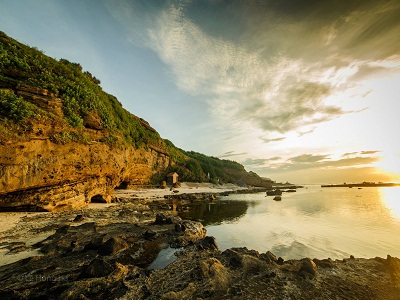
x=94, y=244
x=324, y=263
x=161, y=219
x=252, y=265
x=248, y=261
x=280, y=261
x=79, y=218
x=113, y=246
x=308, y=266
x=393, y=265
x=269, y=257
x=97, y=268
x=233, y=258
x=149, y=234
x=180, y=227
x=189, y=232
x=209, y=243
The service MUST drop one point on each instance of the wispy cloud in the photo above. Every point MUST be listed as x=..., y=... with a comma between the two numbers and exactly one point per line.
x=349, y=154
x=275, y=94
x=267, y=140
x=308, y=158
x=312, y=161
x=270, y=71
x=232, y=153
x=259, y=162
x=369, y=152
x=365, y=152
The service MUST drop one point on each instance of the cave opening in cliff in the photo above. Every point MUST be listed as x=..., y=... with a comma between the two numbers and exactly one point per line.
x=98, y=199
x=123, y=185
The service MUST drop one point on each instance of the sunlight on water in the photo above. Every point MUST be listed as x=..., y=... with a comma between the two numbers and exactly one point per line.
x=315, y=222
x=391, y=199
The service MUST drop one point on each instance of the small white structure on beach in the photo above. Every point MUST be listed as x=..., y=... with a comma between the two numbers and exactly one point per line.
x=172, y=178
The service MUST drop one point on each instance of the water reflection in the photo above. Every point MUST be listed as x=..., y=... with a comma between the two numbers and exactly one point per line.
x=391, y=199
x=315, y=222
x=216, y=213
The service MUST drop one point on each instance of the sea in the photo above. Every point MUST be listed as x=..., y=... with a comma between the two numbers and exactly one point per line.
x=313, y=222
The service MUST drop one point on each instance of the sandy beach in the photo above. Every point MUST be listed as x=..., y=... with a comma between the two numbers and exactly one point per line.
x=185, y=188
x=20, y=229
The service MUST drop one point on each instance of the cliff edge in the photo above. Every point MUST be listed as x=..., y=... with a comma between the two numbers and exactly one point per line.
x=64, y=142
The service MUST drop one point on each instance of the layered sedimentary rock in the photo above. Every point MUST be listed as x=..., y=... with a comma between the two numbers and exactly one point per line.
x=39, y=172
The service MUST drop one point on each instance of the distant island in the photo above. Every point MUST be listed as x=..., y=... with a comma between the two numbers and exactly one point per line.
x=362, y=184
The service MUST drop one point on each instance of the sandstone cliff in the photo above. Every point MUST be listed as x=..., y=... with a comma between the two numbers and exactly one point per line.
x=44, y=170
x=65, y=142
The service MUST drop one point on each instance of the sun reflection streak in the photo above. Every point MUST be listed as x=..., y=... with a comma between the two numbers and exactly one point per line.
x=390, y=197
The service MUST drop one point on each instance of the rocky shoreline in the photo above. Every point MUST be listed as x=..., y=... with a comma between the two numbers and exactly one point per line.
x=109, y=253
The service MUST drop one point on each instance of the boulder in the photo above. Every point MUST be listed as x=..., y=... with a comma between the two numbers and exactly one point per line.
x=97, y=268
x=113, y=246
x=208, y=243
x=215, y=273
x=188, y=232
x=269, y=257
x=161, y=219
x=79, y=218
x=393, y=265
x=308, y=266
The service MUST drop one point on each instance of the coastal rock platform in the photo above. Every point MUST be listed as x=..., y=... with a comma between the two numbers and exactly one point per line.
x=108, y=253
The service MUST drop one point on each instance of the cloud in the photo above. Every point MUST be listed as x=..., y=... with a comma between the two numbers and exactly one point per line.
x=308, y=158
x=266, y=140
x=349, y=154
x=231, y=153
x=254, y=162
x=262, y=162
x=277, y=93
x=369, y=152
x=311, y=161
x=268, y=65
x=369, y=71
x=351, y=162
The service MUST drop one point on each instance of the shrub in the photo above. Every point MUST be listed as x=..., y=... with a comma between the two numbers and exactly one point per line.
x=14, y=107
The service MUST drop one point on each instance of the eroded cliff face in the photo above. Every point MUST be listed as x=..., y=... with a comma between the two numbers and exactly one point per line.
x=38, y=172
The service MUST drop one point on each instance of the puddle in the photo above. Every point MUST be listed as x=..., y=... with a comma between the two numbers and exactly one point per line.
x=6, y=259
x=164, y=258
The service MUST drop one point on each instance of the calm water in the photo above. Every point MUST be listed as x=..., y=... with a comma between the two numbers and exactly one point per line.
x=315, y=222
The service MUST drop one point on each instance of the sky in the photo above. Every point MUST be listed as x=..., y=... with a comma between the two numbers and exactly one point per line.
x=300, y=91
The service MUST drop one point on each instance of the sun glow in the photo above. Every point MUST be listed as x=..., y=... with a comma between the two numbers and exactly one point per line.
x=390, y=164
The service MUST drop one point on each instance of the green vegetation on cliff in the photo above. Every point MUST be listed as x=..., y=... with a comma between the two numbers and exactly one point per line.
x=83, y=105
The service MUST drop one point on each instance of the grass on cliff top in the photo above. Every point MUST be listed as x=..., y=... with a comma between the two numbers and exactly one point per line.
x=81, y=97
x=79, y=91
